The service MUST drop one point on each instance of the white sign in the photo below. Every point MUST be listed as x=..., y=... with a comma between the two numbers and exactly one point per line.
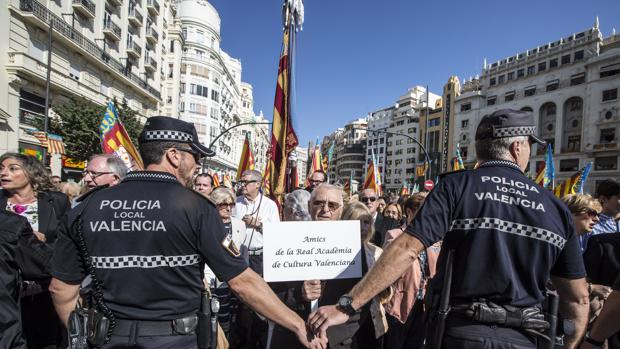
x=296, y=251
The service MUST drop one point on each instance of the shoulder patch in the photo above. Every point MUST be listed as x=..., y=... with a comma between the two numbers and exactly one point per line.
x=230, y=246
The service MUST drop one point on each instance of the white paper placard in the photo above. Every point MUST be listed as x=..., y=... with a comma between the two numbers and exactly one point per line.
x=321, y=250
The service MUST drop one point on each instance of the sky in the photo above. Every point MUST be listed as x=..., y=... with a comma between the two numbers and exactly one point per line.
x=357, y=56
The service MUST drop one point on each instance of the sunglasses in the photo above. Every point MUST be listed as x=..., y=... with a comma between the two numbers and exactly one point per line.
x=368, y=199
x=194, y=154
x=229, y=205
x=591, y=213
x=331, y=206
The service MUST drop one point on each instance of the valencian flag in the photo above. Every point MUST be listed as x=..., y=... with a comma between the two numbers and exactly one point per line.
x=372, y=180
x=421, y=170
x=540, y=175
x=266, y=184
x=405, y=189
x=216, y=180
x=115, y=140
x=549, y=178
x=247, y=159
x=574, y=184
x=316, y=163
x=348, y=185
x=294, y=179
x=283, y=137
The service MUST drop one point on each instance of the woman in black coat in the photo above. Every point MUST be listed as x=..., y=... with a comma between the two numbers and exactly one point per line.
x=26, y=191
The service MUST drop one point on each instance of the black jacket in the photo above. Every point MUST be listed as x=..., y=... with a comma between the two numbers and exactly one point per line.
x=20, y=252
x=602, y=258
x=52, y=207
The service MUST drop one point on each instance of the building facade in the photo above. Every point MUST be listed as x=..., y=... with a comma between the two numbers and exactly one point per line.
x=349, y=157
x=100, y=50
x=203, y=86
x=571, y=86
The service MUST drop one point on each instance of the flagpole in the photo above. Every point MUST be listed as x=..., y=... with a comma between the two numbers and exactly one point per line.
x=47, y=85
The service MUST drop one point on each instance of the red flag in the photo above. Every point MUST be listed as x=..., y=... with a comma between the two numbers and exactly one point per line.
x=247, y=159
x=115, y=140
x=216, y=180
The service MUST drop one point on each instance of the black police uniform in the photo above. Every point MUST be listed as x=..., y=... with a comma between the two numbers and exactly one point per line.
x=148, y=238
x=22, y=255
x=508, y=235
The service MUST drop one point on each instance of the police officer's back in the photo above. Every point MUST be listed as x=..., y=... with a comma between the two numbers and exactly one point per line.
x=147, y=239
x=507, y=236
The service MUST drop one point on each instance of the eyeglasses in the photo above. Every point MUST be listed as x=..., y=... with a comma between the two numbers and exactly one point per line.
x=316, y=181
x=591, y=213
x=331, y=206
x=223, y=205
x=194, y=154
x=95, y=174
x=243, y=183
x=368, y=199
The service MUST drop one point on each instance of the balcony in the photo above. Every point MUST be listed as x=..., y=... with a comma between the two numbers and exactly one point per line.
x=135, y=17
x=111, y=30
x=134, y=49
x=153, y=7
x=115, y=2
x=152, y=36
x=150, y=64
x=605, y=146
x=38, y=15
x=84, y=7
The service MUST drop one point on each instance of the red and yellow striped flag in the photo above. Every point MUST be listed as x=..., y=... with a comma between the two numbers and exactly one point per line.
x=115, y=140
x=371, y=179
x=227, y=181
x=540, y=176
x=283, y=137
x=316, y=164
x=568, y=186
x=216, y=180
x=247, y=159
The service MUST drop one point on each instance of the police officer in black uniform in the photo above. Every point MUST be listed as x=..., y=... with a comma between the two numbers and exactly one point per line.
x=507, y=236
x=147, y=240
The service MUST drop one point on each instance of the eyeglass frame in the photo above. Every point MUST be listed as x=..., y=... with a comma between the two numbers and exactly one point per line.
x=322, y=203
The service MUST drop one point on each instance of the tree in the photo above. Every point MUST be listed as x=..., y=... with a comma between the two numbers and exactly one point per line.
x=78, y=122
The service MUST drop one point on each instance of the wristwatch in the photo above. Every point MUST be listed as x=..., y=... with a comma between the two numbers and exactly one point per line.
x=593, y=341
x=345, y=305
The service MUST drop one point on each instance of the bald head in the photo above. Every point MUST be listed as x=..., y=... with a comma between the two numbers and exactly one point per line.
x=326, y=203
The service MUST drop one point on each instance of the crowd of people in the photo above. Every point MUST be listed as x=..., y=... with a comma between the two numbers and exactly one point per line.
x=37, y=205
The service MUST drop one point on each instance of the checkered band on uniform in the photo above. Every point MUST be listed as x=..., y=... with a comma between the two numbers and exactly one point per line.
x=510, y=228
x=168, y=135
x=500, y=132
x=120, y=262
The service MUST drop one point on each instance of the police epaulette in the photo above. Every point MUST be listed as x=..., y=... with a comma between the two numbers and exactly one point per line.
x=453, y=172
x=90, y=192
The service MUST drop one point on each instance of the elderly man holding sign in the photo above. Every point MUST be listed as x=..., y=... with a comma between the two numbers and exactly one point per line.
x=369, y=322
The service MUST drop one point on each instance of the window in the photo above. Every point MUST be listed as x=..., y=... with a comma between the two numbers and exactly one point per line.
x=74, y=72
x=610, y=95
x=553, y=63
x=500, y=79
x=410, y=160
x=465, y=123
x=529, y=91
x=509, y=96
x=434, y=122
x=399, y=142
x=553, y=85
x=510, y=76
x=574, y=144
x=577, y=79
x=569, y=165
x=398, y=152
x=610, y=70
x=171, y=47
x=464, y=152
x=465, y=106
x=182, y=106
x=531, y=69
x=520, y=73
x=575, y=105
x=565, y=59
x=542, y=66
x=492, y=82
x=215, y=95
x=606, y=163
x=578, y=55
x=491, y=100
x=411, y=130
x=215, y=113
x=182, y=87
x=410, y=150
x=608, y=135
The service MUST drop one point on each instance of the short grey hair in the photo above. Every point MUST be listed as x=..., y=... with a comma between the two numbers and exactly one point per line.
x=326, y=186
x=253, y=174
x=114, y=163
x=220, y=194
x=297, y=202
x=496, y=148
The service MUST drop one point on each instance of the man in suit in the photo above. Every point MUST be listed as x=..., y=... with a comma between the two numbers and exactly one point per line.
x=370, y=198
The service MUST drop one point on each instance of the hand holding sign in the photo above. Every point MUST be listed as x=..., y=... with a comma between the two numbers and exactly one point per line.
x=311, y=290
